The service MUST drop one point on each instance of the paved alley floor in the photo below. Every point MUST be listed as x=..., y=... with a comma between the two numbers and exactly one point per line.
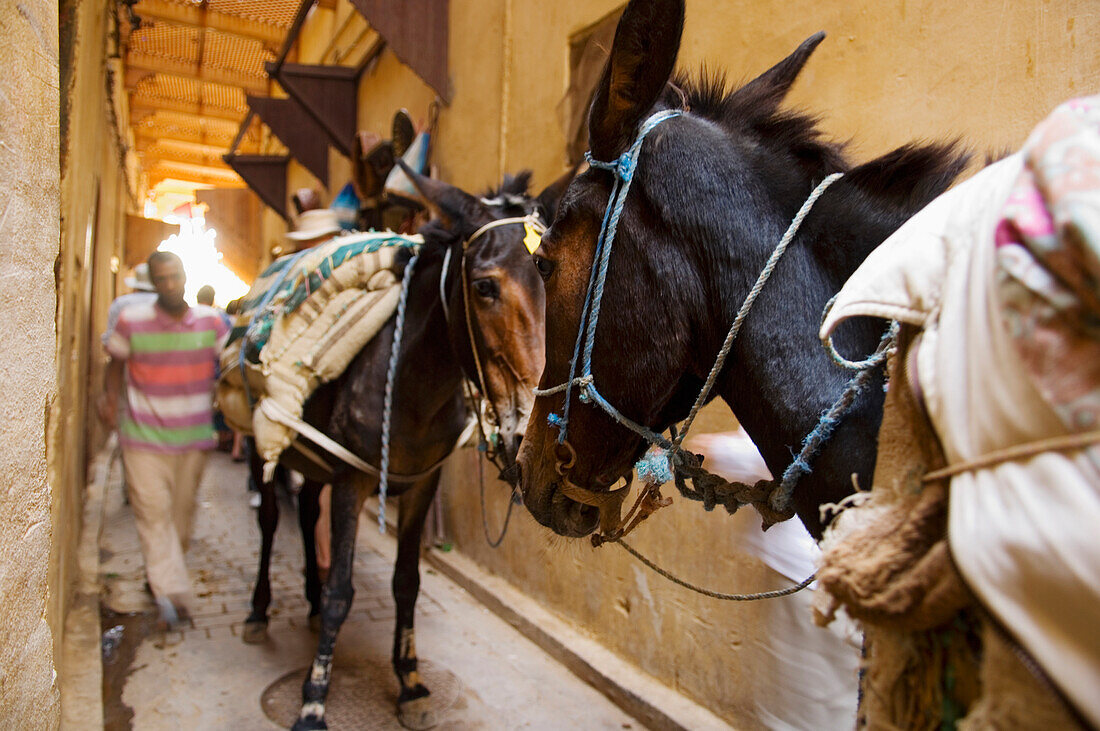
x=484, y=673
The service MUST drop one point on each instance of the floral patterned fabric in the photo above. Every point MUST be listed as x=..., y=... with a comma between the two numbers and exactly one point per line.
x=1048, y=262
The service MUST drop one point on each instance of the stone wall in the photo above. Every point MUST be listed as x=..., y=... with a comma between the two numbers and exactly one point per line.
x=29, y=181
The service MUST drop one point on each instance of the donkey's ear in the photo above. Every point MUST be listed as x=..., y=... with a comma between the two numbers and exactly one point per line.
x=643, y=55
x=548, y=199
x=444, y=201
x=763, y=95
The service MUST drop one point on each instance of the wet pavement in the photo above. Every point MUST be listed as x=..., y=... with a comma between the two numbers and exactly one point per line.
x=483, y=674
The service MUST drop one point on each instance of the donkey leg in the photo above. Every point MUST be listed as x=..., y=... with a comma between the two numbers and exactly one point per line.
x=414, y=707
x=336, y=597
x=255, y=627
x=308, y=510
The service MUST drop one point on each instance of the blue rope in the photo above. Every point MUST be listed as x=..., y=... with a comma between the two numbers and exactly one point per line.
x=623, y=168
x=387, y=403
x=623, y=174
x=780, y=499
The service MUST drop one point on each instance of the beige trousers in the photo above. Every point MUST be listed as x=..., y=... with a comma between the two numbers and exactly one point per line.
x=162, y=489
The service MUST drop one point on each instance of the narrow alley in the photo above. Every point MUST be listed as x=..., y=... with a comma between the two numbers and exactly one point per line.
x=482, y=672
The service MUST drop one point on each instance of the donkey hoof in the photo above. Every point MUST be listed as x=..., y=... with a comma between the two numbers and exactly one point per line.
x=255, y=632
x=315, y=623
x=417, y=714
x=309, y=724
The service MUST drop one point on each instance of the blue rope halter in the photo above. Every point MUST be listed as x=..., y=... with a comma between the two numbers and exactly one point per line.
x=623, y=173
x=658, y=465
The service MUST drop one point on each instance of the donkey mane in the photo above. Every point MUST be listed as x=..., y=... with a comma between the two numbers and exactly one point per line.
x=904, y=179
x=511, y=197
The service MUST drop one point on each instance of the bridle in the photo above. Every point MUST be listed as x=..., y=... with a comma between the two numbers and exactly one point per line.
x=489, y=435
x=488, y=441
x=666, y=459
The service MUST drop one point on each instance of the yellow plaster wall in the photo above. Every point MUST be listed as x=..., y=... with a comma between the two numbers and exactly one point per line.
x=94, y=199
x=889, y=71
x=29, y=215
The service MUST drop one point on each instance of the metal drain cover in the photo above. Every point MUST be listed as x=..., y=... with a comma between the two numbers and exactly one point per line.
x=365, y=697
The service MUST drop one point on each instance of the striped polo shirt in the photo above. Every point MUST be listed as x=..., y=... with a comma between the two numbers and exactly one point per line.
x=169, y=376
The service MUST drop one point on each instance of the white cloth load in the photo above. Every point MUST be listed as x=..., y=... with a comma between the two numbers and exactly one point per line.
x=1023, y=531
x=326, y=309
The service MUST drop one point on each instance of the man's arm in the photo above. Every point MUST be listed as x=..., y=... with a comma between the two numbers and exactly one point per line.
x=112, y=387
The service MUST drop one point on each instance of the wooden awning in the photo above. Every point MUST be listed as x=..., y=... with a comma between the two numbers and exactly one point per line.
x=296, y=128
x=328, y=93
x=266, y=175
x=234, y=214
x=143, y=236
x=417, y=31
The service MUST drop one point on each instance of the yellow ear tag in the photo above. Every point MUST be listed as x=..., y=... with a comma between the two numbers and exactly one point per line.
x=532, y=238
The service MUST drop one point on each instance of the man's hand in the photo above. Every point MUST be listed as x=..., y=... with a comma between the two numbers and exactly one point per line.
x=107, y=406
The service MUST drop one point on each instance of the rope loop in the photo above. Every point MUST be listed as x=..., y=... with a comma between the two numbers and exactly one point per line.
x=885, y=348
x=716, y=594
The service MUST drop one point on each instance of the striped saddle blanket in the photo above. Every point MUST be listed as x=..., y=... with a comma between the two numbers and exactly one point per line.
x=300, y=325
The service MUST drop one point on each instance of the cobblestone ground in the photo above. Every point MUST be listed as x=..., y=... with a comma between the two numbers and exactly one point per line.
x=482, y=672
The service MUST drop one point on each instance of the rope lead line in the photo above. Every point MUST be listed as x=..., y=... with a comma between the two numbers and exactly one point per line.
x=718, y=595
x=765, y=274
x=387, y=404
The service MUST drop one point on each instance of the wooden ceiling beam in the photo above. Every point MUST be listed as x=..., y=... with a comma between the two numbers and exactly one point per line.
x=160, y=176
x=153, y=157
x=140, y=66
x=143, y=106
x=194, y=16
x=141, y=109
x=215, y=139
x=145, y=144
x=146, y=136
x=181, y=168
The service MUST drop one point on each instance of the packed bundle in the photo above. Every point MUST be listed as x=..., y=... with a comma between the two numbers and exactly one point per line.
x=300, y=325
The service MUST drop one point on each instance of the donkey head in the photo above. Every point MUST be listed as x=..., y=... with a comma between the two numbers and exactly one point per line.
x=492, y=293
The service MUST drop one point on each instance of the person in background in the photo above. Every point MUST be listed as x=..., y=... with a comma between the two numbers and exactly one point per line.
x=205, y=296
x=313, y=227
x=142, y=292
x=169, y=351
x=804, y=676
x=239, y=451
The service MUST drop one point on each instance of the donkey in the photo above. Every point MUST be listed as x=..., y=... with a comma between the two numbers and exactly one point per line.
x=713, y=178
x=713, y=191
x=482, y=323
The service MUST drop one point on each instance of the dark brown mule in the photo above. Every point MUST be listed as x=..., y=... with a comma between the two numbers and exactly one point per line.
x=505, y=303
x=712, y=193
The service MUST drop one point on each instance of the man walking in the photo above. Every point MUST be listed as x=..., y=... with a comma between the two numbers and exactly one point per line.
x=168, y=351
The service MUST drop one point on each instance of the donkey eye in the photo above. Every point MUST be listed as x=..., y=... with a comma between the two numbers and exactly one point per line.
x=487, y=288
x=545, y=267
